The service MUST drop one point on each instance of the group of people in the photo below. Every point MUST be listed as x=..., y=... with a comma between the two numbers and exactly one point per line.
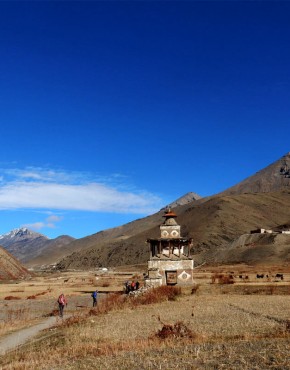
x=62, y=302
x=130, y=286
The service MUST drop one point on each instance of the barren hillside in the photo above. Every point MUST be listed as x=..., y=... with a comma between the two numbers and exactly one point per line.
x=10, y=268
x=274, y=177
x=213, y=224
x=260, y=201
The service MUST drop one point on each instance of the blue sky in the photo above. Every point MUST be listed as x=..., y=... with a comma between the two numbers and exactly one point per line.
x=110, y=110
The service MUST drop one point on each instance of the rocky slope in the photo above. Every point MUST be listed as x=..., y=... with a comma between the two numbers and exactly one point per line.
x=254, y=248
x=274, y=177
x=10, y=268
x=260, y=201
x=212, y=223
x=185, y=199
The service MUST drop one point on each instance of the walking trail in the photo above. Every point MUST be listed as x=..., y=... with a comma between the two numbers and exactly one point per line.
x=14, y=340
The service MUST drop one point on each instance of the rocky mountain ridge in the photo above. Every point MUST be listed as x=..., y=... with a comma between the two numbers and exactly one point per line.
x=274, y=177
x=27, y=245
x=260, y=201
x=185, y=199
x=214, y=223
x=19, y=234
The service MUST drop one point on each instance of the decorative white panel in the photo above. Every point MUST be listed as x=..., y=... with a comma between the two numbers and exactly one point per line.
x=184, y=276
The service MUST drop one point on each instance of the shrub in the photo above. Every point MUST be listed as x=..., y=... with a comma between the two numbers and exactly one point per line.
x=159, y=294
x=54, y=312
x=194, y=289
x=16, y=315
x=93, y=312
x=222, y=279
x=106, y=284
x=111, y=302
x=72, y=320
x=42, y=293
x=177, y=330
x=11, y=297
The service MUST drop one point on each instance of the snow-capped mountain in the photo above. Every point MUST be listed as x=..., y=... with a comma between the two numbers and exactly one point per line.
x=27, y=245
x=19, y=234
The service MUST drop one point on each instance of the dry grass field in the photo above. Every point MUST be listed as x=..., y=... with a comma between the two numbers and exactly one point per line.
x=243, y=324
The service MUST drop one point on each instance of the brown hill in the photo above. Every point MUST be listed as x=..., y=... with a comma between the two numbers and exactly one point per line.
x=33, y=248
x=117, y=234
x=274, y=177
x=212, y=223
x=254, y=248
x=50, y=252
x=260, y=201
x=10, y=268
x=185, y=199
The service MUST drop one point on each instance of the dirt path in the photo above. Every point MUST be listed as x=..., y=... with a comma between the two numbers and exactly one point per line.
x=37, y=310
x=14, y=340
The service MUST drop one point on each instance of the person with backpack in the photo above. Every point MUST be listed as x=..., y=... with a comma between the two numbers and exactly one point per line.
x=61, y=303
x=133, y=286
x=95, y=296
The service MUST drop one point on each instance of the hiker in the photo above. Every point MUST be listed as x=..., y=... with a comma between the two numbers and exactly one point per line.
x=127, y=287
x=94, y=295
x=137, y=285
x=61, y=303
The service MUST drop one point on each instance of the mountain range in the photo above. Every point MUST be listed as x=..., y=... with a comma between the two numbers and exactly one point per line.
x=214, y=223
x=220, y=226
x=29, y=246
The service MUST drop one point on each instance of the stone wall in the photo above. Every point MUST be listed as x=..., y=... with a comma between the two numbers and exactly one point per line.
x=170, y=272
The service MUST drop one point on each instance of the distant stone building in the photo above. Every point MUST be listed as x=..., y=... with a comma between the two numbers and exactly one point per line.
x=170, y=262
x=265, y=231
x=261, y=231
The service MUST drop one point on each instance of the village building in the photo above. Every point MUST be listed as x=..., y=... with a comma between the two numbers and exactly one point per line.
x=265, y=231
x=169, y=262
x=261, y=231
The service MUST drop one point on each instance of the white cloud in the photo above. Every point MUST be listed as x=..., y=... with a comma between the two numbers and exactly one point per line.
x=50, y=222
x=54, y=218
x=26, y=189
x=35, y=226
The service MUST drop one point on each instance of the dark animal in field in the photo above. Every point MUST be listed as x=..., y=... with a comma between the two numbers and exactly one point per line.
x=280, y=276
x=260, y=276
x=244, y=277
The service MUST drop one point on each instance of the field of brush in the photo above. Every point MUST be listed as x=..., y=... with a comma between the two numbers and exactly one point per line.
x=229, y=319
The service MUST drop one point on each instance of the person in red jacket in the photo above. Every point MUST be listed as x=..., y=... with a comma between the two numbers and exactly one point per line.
x=61, y=303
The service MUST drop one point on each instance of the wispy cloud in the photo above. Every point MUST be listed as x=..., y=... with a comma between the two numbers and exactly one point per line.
x=50, y=222
x=35, y=188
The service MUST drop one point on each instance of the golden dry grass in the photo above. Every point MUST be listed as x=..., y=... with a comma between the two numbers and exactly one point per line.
x=32, y=299
x=231, y=330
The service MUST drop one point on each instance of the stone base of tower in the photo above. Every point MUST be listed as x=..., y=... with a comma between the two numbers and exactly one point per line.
x=169, y=272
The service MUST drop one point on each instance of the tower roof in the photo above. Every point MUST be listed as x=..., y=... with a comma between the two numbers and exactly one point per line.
x=169, y=213
x=170, y=218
